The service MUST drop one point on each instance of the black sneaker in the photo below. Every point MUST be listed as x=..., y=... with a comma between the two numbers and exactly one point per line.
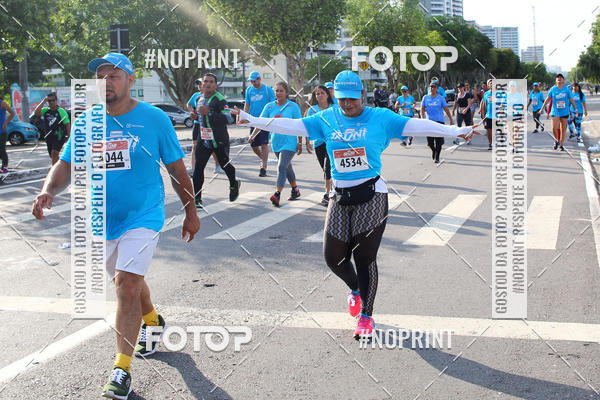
x=199, y=203
x=295, y=194
x=456, y=142
x=263, y=172
x=562, y=148
x=275, y=199
x=490, y=147
x=147, y=347
x=555, y=145
x=325, y=200
x=234, y=191
x=535, y=131
x=410, y=138
x=403, y=143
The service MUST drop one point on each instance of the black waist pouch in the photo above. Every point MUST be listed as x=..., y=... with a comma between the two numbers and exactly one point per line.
x=358, y=194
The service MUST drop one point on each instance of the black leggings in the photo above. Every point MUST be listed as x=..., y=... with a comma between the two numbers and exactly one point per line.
x=323, y=158
x=435, y=144
x=466, y=118
x=536, y=118
x=3, y=153
x=203, y=154
x=363, y=245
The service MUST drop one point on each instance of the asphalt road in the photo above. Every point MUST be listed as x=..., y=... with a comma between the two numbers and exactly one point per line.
x=268, y=273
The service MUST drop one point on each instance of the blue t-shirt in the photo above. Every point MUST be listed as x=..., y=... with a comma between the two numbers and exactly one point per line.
x=288, y=110
x=578, y=102
x=407, y=109
x=560, y=101
x=516, y=104
x=192, y=101
x=2, y=117
x=335, y=101
x=312, y=111
x=537, y=99
x=488, y=104
x=258, y=98
x=441, y=91
x=135, y=196
x=355, y=144
x=434, y=107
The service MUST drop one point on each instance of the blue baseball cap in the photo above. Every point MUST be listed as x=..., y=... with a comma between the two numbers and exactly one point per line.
x=329, y=85
x=536, y=84
x=117, y=59
x=404, y=88
x=254, y=75
x=347, y=85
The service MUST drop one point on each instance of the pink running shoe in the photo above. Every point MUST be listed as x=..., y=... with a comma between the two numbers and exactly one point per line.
x=365, y=326
x=354, y=303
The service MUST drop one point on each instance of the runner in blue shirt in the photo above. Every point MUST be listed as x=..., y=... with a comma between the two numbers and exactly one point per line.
x=434, y=106
x=536, y=99
x=4, y=120
x=284, y=146
x=356, y=137
x=321, y=100
x=441, y=90
x=581, y=108
x=561, y=97
x=138, y=137
x=256, y=97
x=405, y=104
x=329, y=86
x=486, y=112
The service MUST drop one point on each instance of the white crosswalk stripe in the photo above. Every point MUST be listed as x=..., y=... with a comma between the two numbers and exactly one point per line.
x=447, y=222
x=543, y=219
x=263, y=221
x=393, y=202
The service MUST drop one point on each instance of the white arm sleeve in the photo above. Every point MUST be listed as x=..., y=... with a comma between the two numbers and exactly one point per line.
x=285, y=126
x=425, y=127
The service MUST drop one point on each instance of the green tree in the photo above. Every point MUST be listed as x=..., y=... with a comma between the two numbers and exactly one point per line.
x=535, y=72
x=329, y=67
x=83, y=33
x=507, y=65
x=281, y=27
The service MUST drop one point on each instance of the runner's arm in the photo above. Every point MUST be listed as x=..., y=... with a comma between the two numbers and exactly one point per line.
x=284, y=126
x=11, y=114
x=57, y=180
x=183, y=187
x=425, y=127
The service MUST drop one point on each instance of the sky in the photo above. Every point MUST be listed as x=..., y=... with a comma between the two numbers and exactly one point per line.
x=554, y=21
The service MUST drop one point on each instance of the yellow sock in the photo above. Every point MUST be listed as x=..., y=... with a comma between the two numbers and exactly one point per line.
x=151, y=318
x=123, y=361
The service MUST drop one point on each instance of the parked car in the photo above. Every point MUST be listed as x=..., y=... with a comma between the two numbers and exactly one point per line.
x=176, y=114
x=21, y=132
x=239, y=103
x=450, y=95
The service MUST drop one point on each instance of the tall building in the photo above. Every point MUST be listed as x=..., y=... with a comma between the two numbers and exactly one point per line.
x=503, y=37
x=451, y=8
x=533, y=54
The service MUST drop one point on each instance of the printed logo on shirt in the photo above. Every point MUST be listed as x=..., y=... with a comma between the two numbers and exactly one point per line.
x=256, y=97
x=349, y=135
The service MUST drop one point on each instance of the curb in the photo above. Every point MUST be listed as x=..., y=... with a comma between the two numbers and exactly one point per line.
x=27, y=174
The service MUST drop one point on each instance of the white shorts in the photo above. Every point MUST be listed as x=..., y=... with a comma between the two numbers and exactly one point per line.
x=131, y=252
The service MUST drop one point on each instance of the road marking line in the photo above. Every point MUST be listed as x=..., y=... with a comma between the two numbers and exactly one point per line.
x=590, y=187
x=263, y=221
x=215, y=208
x=447, y=222
x=543, y=220
x=393, y=201
x=469, y=327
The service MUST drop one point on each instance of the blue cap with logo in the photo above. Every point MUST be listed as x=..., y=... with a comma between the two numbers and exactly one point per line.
x=404, y=88
x=536, y=84
x=329, y=85
x=347, y=85
x=254, y=75
x=116, y=59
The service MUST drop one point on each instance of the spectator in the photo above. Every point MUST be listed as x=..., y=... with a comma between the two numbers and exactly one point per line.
x=57, y=125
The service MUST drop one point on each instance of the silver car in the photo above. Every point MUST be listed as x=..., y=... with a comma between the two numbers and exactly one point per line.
x=176, y=114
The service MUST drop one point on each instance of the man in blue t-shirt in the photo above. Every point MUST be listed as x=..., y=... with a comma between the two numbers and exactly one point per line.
x=536, y=99
x=256, y=98
x=562, y=98
x=138, y=136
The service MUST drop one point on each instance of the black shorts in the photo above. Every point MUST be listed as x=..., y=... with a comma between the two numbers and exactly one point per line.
x=54, y=143
x=323, y=158
x=487, y=123
x=195, y=131
x=261, y=138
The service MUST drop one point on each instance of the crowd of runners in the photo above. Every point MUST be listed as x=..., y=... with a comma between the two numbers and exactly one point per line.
x=348, y=139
